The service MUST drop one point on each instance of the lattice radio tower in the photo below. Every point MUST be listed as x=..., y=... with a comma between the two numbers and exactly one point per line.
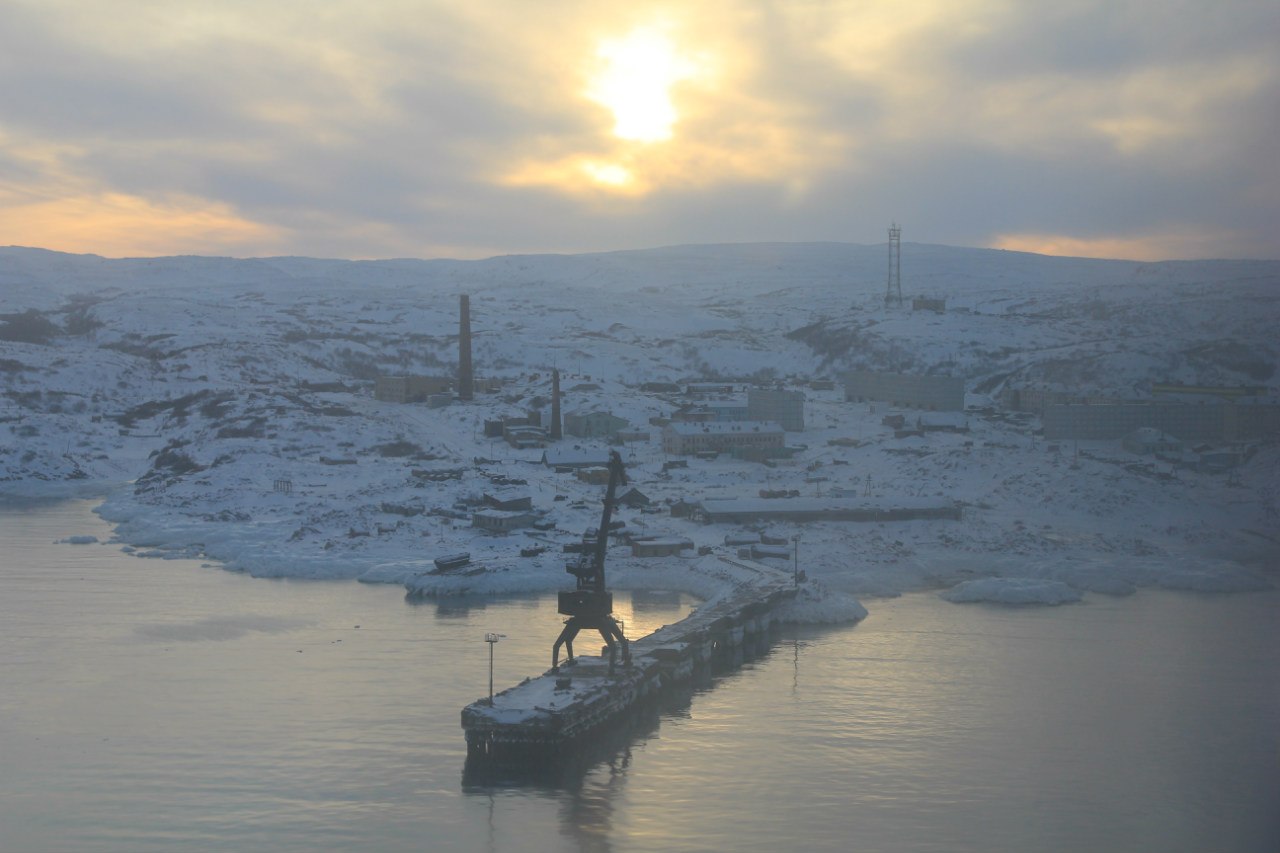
x=893, y=291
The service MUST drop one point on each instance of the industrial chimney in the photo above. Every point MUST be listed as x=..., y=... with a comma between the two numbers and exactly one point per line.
x=466, y=379
x=556, y=433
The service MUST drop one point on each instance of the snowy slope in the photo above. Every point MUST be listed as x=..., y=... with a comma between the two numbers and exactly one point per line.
x=199, y=382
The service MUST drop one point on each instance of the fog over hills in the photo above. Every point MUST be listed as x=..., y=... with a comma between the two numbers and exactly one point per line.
x=186, y=386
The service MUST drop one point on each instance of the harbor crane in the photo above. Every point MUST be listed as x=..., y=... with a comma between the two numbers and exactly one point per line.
x=590, y=605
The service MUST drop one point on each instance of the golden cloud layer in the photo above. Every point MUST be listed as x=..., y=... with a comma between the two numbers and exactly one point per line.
x=608, y=106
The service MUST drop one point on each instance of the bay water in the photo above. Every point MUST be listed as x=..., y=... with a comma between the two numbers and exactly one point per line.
x=153, y=704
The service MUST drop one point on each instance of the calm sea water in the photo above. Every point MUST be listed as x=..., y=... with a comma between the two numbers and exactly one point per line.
x=158, y=705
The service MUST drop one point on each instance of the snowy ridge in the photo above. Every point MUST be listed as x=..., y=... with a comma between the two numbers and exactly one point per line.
x=187, y=387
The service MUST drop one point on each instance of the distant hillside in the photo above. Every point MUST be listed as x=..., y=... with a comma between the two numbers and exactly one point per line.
x=734, y=310
x=230, y=401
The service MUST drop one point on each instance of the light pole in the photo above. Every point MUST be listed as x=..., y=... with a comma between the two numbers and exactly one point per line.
x=492, y=640
x=795, y=557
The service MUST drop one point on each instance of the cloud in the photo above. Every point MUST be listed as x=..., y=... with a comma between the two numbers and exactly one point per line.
x=123, y=225
x=391, y=127
x=1151, y=247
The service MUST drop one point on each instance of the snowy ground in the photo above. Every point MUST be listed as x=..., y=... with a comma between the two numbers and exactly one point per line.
x=184, y=388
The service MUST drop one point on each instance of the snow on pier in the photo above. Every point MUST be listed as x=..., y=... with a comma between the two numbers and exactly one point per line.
x=551, y=711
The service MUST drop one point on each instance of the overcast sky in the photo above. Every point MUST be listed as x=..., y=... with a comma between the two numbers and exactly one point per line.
x=1142, y=129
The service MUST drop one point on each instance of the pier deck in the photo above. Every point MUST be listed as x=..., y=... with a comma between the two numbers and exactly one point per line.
x=549, y=712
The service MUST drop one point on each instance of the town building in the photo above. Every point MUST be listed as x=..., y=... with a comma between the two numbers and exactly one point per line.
x=682, y=508
x=956, y=422
x=660, y=546
x=501, y=521
x=686, y=439
x=409, y=389
x=1184, y=421
x=713, y=411
x=777, y=405
x=1035, y=400
x=706, y=389
x=498, y=427
x=748, y=510
x=1149, y=440
x=524, y=436
x=634, y=498
x=593, y=423
x=935, y=393
x=660, y=388
x=575, y=457
x=508, y=501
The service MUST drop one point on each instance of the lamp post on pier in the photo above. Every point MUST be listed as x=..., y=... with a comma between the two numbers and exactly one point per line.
x=795, y=558
x=492, y=639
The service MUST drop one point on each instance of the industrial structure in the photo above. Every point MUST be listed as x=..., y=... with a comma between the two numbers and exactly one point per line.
x=590, y=605
x=893, y=290
x=466, y=376
x=545, y=717
x=556, y=430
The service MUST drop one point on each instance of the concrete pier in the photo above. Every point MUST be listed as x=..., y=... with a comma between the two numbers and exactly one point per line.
x=551, y=712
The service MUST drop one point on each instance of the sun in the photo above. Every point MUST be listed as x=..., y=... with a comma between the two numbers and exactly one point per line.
x=634, y=82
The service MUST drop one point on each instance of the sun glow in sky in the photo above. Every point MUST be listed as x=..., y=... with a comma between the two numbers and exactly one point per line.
x=374, y=128
x=635, y=84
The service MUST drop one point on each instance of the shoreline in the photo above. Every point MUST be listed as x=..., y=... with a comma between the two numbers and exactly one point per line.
x=1065, y=579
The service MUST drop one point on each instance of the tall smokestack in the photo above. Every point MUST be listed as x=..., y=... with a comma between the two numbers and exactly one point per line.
x=466, y=379
x=556, y=434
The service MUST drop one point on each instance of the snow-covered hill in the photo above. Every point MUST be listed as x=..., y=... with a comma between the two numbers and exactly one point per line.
x=201, y=381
